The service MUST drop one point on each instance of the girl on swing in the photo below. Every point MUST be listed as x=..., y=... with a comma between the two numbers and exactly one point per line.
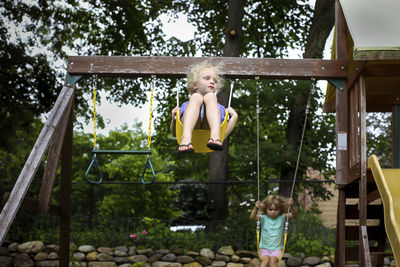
x=273, y=213
x=203, y=111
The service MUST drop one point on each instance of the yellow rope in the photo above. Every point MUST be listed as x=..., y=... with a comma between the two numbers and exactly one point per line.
x=150, y=119
x=94, y=117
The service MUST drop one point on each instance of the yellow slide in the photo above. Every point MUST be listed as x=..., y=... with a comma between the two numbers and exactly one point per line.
x=388, y=183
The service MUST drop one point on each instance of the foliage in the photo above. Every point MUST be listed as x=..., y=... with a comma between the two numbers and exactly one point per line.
x=379, y=137
x=310, y=247
x=314, y=243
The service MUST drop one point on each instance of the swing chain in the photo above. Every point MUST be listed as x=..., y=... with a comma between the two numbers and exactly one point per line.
x=94, y=115
x=150, y=119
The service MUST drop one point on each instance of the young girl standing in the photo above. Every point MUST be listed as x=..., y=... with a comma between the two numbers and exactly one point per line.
x=203, y=82
x=274, y=210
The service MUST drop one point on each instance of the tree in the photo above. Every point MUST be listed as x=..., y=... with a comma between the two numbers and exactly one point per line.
x=262, y=29
x=322, y=23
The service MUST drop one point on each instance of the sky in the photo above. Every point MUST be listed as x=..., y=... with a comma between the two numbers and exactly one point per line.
x=116, y=115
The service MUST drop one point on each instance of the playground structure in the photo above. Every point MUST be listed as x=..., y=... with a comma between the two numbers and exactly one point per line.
x=370, y=84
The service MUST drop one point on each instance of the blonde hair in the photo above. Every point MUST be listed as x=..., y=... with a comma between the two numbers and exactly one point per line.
x=194, y=75
x=280, y=203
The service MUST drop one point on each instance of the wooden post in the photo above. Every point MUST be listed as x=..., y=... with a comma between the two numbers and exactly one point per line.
x=340, y=251
x=364, y=247
x=396, y=137
x=342, y=113
x=65, y=203
x=341, y=103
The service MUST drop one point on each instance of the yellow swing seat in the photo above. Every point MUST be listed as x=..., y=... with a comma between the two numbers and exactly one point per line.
x=200, y=137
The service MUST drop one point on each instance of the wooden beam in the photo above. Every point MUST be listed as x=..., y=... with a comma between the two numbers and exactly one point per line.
x=231, y=67
x=342, y=102
x=29, y=170
x=50, y=171
x=33, y=204
x=66, y=187
x=382, y=70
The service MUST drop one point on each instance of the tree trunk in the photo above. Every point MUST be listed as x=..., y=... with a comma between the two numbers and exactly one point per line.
x=321, y=25
x=217, y=195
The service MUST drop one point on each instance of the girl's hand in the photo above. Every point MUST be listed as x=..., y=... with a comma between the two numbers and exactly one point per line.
x=173, y=113
x=258, y=204
x=231, y=112
x=290, y=201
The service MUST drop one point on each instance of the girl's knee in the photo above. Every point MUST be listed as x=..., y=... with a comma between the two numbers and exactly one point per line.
x=196, y=97
x=274, y=261
x=210, y=97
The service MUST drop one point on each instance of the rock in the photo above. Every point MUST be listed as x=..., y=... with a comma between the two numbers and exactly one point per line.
x=193, y=254
x=155, y=257
x=47, y=263
x=177, y=251
x=105, y=250
x=205, y=252
x=245, y=260
x=77, y=264
x=227, y=250
x=386, y=261
x=120, y=260
x=52, y=256
x=104, y=257
x=325, y=259
x=165, y=264
x=101, y=264
x=138, y=258
x=325, y=264
x=6, y=261
x=255, y=262
x=219, y=257
x=204, y=261
x=311, y=261
x=235, y=258
x=218, y=263
x=41, y=256
x=147, y=251
x=92, y=256
x=31, y=247
x=52, y=248
x=184, y=259
x=192, y=264
x=170, y=257
x=122, y=248
x=281, y=264
x=23, y=260
x=293, y=262
x=245, y=253
x=393, y=263
x=86, y=248
x=13, y=247
x=161, y=251
x=231, y=264
x=79, y=256
x=120, y=253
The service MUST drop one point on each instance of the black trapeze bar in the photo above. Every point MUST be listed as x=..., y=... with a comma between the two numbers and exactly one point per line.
x=141, y=152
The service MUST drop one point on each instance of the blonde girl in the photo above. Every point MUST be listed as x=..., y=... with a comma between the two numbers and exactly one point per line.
x=203, y=83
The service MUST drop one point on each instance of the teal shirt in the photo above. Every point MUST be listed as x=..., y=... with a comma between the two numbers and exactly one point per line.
x=272, y=232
